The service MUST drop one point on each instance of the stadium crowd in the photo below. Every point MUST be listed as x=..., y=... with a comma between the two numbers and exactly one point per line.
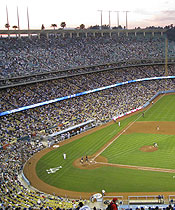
x=54, y=117
x=30, y=94
x=13, y=194
x=26, y=56
x=56, y=53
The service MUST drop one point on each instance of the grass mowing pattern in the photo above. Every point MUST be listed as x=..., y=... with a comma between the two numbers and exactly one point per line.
x=87, y=145
x=162, y=110
x=124, y=150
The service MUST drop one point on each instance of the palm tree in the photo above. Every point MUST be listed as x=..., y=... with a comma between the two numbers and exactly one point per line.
x=15, y=27
x=42, y=27
x=7, y=25
x=54, y=25
x=63, y=25
x=82, y=26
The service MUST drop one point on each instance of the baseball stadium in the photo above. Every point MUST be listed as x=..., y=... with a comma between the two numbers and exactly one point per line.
x=86, y=116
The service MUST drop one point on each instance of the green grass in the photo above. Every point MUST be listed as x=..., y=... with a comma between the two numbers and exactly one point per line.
x=162, y=110
x=125, y=150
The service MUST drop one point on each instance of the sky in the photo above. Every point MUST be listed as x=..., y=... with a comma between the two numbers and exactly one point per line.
x=142, y=13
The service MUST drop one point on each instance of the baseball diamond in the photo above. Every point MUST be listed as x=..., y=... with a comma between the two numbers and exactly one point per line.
x=86, y=116
x=121, y=159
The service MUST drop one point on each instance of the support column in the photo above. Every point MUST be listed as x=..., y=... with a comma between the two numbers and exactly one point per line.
x=29, y=35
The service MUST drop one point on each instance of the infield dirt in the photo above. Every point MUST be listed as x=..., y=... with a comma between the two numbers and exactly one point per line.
x=137, y=127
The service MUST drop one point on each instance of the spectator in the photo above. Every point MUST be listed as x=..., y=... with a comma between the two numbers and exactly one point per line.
x=113, y=204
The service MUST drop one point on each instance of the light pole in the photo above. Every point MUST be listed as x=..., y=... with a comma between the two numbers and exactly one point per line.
x=126, y=18
x=7, y=17
x=109, y=19
x=101, y=17
x=28, y=22
x=28, y=18
x=18, y=18
x=117, y=17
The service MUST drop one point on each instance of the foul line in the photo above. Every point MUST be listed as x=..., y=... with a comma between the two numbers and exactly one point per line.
x=123, y=131
x=139, y=167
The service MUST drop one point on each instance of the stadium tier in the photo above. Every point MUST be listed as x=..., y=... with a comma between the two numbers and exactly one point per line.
x=38, y=70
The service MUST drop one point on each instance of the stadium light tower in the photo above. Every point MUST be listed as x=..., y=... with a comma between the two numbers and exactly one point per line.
x=18, y=18
x=28, y=22
x=28, y=18
x=101, y=17
x=126, y=18
x=7, y=17
x=109, y=19
x=117, y=17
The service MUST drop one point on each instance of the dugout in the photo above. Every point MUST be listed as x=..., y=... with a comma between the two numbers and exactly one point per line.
x=146, y=199
x=72, y=131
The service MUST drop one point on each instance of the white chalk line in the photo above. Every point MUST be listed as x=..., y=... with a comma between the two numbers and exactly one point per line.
x=125, y=129
x=138, y=167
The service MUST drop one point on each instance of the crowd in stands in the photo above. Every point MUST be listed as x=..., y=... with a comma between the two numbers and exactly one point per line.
x=19, y=57
x=13, y=194
x=31, y=94
x=101, y=105
x=16, y=81
x=26, y=56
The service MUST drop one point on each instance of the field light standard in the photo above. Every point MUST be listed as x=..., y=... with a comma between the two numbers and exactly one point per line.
x=7, y=24
x=126, y=18
x=28, y=21
x=18, y=21
x=28, y=18
x=7, y=17
x=18, y=18
x=101, y=16
x=117, y=17
x=109, y=19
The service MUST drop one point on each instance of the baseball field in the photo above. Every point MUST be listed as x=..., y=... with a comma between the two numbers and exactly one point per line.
x=120, y=158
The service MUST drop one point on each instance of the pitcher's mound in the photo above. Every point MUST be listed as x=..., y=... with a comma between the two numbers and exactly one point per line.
x=148, y=149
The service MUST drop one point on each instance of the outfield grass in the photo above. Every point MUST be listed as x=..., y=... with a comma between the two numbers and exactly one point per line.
x=125, y=150
x=162, y=110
